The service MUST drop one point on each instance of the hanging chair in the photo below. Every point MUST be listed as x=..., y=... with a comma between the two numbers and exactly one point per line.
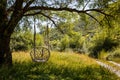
x=39, y=53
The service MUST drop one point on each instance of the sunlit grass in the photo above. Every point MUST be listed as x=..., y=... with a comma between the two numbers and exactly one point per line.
x=71, y=59
x=21, y=57
x=61, y=66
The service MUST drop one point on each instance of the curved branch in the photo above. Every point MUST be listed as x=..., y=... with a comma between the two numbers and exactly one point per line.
x=28, y=4
x=100, y=11
x=54, y=9
x=66, y=9
x=93, y=17
x=11, y=8
x=86, y=5
x=32, y=14
x=108, y=21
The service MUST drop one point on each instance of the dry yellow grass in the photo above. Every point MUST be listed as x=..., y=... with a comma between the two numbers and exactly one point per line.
x=72, y=58
x=60, y=66
x=21, y=56
x=58, y=58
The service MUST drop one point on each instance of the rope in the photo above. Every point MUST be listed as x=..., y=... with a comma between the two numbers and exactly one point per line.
x=34, y=38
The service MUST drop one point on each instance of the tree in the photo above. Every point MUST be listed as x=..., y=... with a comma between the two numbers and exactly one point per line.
x=12, y=11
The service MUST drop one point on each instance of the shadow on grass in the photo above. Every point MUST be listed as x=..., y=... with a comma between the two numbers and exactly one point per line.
x=51, y=71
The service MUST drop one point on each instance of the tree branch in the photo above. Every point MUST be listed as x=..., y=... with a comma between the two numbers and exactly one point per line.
x=93, y=17
x=15, y=17
x=53, y=9
x=28, y=4
x=32, y=14
x=86, y=5
x=99, y=11
x=11, y=8
x=65, y=9
x=108, y=21
x=32, y=8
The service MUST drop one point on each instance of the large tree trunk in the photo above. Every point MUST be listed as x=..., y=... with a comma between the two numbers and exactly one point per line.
x=5, y=53
x=7, y=27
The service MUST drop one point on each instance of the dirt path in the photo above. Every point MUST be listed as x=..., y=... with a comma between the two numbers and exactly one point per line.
x=117, y=64
x=117, y=72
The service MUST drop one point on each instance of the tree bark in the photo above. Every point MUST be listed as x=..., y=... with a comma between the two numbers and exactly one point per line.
x=7, y=27
x=5, y=53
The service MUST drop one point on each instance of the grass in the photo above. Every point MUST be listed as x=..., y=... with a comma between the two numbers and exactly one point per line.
x=115, y=55
x=61, y=66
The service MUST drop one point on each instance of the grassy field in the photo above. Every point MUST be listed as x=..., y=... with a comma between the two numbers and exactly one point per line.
x=61, y=66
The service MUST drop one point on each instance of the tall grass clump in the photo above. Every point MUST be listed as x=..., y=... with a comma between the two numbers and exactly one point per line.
x=114, y=55
x=61, y=66
x=103, y=55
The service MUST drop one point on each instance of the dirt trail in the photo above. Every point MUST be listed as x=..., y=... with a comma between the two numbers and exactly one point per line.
x=117, y=72
x=117, y=64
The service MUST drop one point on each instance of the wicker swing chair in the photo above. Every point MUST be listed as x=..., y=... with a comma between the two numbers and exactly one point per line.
x=39, y=53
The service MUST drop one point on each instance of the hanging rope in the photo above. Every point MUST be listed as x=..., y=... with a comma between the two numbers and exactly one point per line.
x=46, y=38
x=39, y=53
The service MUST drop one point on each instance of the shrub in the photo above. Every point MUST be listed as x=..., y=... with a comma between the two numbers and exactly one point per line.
x=24, y=41
x=102, y=41
x=64, y=43
x=103, y=55
x=76, y=42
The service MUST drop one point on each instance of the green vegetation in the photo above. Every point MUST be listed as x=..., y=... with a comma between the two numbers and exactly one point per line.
x=114, y=56
x=61, y=66
x=103, y=40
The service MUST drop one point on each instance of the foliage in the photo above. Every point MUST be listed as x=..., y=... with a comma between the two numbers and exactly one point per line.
x=24, y=41
x=55, y=37
x=102, y=41
x=103, y=55
x=72, y=40
x=21, y=41
x=61, y=66
x=76, y=41
x=64, y=42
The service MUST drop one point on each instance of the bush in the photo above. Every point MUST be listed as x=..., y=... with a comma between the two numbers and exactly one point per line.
x=102, y=41
x=103, y=55
x=76, y=42
x=21, y=41
x=24, y=41
x=64, y=43
x=55, y=45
